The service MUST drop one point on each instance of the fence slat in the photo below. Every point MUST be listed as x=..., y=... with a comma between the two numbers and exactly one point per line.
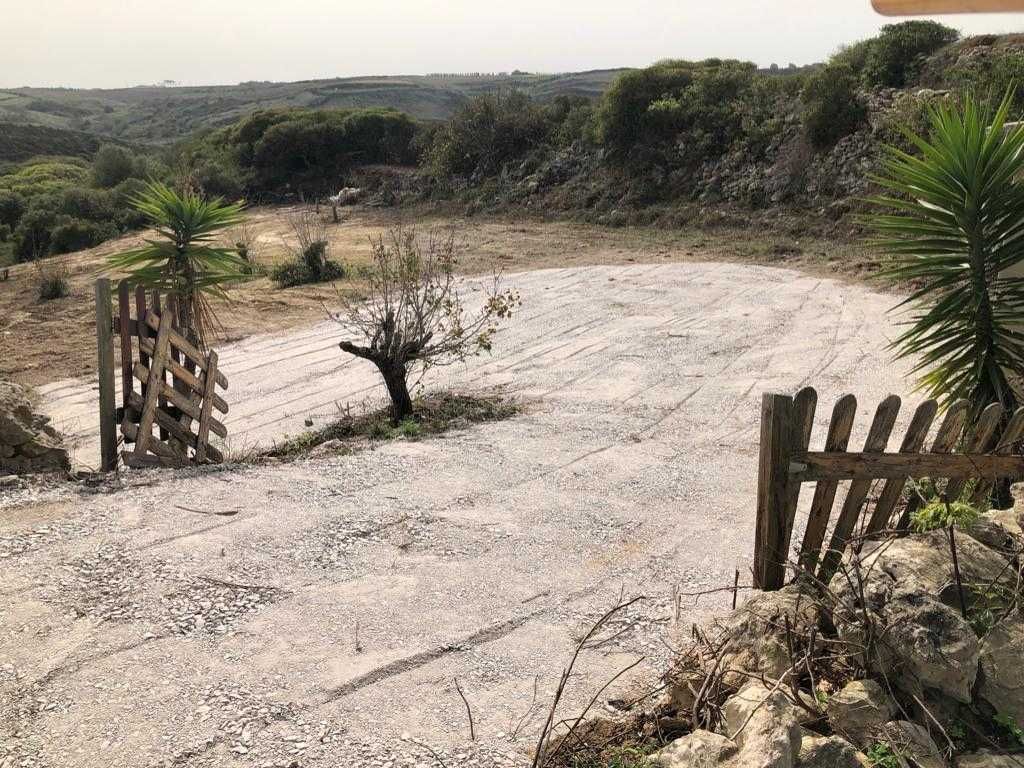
x=207, y=413
x=804, y=405
x=978, y=442
x=772, y=479
x=825, y=491
x=1011, y=436
x=912, y=442
x=126, y=331
x=878, y=437
x=105, y=373
x=155, y=384
x=945, y=439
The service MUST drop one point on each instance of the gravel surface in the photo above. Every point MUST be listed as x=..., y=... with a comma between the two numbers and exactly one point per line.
x=321, y=622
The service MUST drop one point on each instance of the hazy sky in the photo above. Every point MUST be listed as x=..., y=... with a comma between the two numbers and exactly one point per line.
x=107, y=43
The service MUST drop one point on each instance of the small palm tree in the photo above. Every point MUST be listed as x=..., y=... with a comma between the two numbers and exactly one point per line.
x=183, y=262
x=955, y=229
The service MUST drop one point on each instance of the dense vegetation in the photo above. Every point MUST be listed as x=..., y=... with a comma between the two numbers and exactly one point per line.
x=674, y=131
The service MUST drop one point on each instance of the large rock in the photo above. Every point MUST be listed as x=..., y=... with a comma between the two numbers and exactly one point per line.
x=700, y=749
x=859, y=709
x=818, y=751
x=988, y=760
x=765, y=727
x=27, y=441
x=1002, y=668
x=999, y=530
x=913, y=745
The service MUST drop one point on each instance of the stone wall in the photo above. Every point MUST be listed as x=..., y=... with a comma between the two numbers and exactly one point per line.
x=27, y=441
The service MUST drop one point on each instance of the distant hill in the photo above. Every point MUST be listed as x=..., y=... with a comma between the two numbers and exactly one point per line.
x=157, y=114
x=19, y=142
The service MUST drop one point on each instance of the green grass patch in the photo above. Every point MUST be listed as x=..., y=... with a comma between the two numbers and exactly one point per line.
x=435, y=414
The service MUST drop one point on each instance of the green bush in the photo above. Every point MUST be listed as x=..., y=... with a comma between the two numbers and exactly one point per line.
x=486, y=134
x=44, y=176
x=5, y=233
x=111, y=165
x=893, y=58
x=293, y=273
x=217, y=178
x=88, y=204
x=12, y=205
x=990, y=77
x=32, y=235
x=69, y=235
x=832, y=107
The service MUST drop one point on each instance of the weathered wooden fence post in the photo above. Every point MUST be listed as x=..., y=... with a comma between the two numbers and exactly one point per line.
x=105, y=374
x=772, y=491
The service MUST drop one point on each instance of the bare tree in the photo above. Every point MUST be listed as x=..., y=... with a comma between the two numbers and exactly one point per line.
x=413, y=317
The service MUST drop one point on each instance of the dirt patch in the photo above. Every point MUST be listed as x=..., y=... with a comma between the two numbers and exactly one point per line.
x=41, y=342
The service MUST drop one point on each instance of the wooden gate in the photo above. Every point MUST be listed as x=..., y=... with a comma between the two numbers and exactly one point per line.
x=169, y=416
x=959, y=452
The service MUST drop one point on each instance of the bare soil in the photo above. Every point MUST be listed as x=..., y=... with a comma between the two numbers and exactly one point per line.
x=42, y=342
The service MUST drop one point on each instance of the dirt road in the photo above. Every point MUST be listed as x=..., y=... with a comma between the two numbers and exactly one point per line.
x=322, y=615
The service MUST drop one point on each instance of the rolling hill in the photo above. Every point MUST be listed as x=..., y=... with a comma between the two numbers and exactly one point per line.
x=156, y=114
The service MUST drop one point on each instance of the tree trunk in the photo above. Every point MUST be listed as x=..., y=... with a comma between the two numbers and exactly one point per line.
x=401, y=402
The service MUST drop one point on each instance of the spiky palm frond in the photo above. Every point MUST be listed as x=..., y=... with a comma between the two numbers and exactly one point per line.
x=183, y=261
x=954, y=226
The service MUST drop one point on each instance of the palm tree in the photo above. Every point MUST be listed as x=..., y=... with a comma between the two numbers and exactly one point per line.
x=954, y=226
x=183, y=262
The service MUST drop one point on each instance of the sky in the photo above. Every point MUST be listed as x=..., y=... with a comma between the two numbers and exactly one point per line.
x=116, y=43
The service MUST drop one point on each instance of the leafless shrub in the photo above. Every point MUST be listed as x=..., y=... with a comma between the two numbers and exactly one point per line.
x=414, y=317
x=52, y=278
x=311, y=243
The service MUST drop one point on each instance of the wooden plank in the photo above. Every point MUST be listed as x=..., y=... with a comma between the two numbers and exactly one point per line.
x=945, y=439
x=157, y=448
x=877, y=439
x=772, y=479
x=193, y=382
x=126, y=331
x=979, y=441
x=154, y=387
x=804, y=405
x=837, y=439
x=189, y=350
x=192, y=408
x=105, y=374
x=180, y=433
x=913, y=440
x=142, y=331
x=1011, y=436
x=934, y=7
x=207, y=410
x=884, y=466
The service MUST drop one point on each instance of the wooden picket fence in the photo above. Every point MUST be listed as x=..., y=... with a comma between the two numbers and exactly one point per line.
x=177, y=385
x=959, y=452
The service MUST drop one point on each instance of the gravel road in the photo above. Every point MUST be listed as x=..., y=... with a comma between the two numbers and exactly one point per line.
x=315, y=613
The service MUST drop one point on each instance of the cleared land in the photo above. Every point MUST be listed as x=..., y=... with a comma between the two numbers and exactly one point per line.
x=324, y=617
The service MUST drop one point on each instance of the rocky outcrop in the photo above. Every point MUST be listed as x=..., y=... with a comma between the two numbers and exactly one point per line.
x=1002, y=669
x=27, y=441
x=859, y=709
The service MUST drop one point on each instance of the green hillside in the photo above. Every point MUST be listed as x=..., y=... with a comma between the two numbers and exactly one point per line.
x=154, y=114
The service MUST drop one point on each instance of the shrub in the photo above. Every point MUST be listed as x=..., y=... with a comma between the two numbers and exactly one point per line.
x=938, y=514
x=832, y=107
x=12, y=205
x=293, y=273
x=217, y=178
x=111, y=165
x=75, y=234
x=88, y=204
x=32, y=235
x=990, y=77
x=486, y=134
x=5, y=233
x=52, y=276
x=893, y=58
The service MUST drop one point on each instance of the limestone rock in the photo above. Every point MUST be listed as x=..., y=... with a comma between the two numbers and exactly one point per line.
x=859, y=708
x=998, y=530
x=936, y=647
x=911, y=742
x=988, y=760
x=1002, y=684
x=818, y=751
x=700, y=749
x=27, y=441
x=765, y=727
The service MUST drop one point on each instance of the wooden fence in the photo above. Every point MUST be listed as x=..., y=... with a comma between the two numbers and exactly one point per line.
x=177, y=385
x=959, y=452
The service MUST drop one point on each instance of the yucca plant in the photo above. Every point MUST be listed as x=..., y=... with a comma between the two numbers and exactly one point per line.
x=183, y=262
x=954, y=226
